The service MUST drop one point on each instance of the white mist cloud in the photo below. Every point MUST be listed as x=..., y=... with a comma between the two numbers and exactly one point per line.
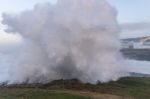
x=71, y=39
x=8, y=55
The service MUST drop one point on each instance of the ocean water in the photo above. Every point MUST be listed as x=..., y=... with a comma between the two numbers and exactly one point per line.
x=138, y=66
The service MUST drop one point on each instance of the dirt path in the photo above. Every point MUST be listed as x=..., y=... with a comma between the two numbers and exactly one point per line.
x=94, y=95
x=98, y=95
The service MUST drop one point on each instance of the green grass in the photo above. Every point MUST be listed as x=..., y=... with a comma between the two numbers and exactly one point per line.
x=138, y=88
x=14, y=93
x=125, y=88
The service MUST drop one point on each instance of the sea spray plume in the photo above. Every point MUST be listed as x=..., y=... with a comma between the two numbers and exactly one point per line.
x=71, y=39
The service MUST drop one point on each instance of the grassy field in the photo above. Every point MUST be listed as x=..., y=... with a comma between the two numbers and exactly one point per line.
x=26, y=93
x=125, y=88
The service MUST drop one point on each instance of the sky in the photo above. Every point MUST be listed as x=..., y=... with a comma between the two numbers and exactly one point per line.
x=128, y=10
x=131, y=13
x=133, y=17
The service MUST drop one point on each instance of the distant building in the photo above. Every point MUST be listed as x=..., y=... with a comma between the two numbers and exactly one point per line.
x=136, y=43
x=146, y=41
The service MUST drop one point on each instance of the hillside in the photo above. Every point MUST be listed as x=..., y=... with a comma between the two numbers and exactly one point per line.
x=125, y=88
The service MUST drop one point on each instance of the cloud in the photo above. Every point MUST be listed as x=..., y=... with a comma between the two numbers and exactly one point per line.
x=8, y=37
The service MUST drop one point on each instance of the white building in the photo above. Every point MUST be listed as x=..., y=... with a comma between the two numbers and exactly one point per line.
x=136, y=43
